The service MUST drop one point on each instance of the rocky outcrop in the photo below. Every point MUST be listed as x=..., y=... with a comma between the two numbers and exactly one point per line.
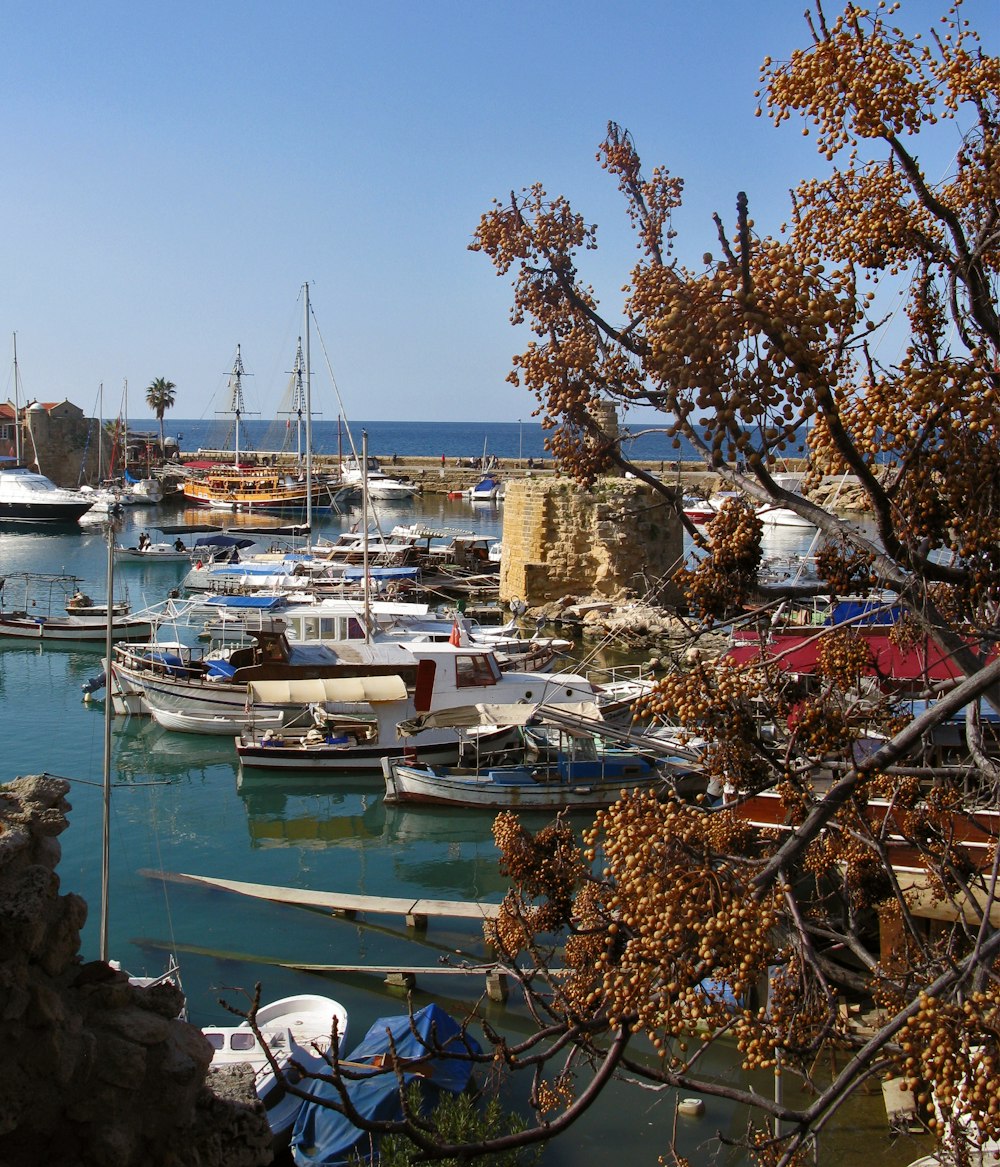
x=95, y=1071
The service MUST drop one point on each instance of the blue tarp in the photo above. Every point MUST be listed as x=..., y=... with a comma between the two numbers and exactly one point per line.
x=872, y=611
x=382, y=572
x=324, y=1137
x=261, y=603
x=221, y=668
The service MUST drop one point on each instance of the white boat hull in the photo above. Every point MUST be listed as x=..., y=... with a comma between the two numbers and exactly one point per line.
x=301, y=1029
x=439, y=748
x=506, y=788
x=73, y=628
x=155, y=552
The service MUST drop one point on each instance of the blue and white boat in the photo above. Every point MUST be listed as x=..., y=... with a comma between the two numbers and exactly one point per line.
x=430, y=1049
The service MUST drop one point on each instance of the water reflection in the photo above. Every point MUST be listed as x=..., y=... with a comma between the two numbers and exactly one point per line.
x=143, y=750
x=281, y=813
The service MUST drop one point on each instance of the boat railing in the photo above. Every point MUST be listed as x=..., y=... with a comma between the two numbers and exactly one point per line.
x=618, y=674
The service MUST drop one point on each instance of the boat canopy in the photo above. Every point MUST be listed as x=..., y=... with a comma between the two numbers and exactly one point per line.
x=523, y=713
x=347, y=689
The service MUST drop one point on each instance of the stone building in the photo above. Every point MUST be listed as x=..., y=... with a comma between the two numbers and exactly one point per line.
x=619, y=538
x=56, y=437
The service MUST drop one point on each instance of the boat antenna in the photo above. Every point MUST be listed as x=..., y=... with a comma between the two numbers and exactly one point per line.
x=108, y=709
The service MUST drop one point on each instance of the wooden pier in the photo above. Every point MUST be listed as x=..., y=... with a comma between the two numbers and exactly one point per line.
x=415, y=912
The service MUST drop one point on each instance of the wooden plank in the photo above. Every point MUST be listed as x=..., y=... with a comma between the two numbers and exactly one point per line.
x=478, y=970
x=337, y=901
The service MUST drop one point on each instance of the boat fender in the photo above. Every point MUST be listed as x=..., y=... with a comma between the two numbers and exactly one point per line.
x=691, y=1106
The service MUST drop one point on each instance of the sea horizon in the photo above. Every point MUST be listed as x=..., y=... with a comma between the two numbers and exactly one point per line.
x=520, y=439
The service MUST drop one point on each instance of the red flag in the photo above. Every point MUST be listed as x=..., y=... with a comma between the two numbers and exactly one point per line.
x=456, y=635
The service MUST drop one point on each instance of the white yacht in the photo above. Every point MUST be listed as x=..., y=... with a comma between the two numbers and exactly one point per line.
x=29, y=497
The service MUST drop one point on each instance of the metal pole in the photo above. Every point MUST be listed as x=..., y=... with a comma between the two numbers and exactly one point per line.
x=17, y=410
x=108, y=709
x=309, y=441
x=364, y=521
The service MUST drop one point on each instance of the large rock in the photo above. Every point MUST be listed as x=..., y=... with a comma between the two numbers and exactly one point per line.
x=95, y=1071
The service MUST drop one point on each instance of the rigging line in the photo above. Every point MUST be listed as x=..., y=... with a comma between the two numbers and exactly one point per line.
x=159, y=861
x=343, y=414
x=333, y=381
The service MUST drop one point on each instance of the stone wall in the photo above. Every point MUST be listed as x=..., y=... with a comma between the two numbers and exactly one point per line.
x=619, y=538
x=63, y=443
x=96, y=1071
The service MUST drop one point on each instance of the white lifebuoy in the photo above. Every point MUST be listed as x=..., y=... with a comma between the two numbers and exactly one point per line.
x=693, y=1106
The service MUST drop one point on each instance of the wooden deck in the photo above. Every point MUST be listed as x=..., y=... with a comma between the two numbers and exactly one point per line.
x=416, y=912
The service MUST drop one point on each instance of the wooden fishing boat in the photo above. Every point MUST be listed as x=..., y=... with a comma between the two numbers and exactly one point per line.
x=581, y=768
x=41, y=607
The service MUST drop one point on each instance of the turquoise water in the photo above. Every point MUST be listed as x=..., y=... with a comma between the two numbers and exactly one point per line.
x=177, y=807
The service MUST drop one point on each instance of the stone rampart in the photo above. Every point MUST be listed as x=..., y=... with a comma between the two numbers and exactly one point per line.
x=619, y=538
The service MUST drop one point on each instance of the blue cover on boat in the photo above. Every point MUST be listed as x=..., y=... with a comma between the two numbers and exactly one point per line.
x=265, y=603
x=326, y=1137
x=221, y=668
x=872, y=611
x=382, y=572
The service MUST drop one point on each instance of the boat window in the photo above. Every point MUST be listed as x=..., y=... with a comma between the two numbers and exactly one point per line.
x=581, y=749
x=473, y=670
x=243, y=1041
x=216, y=1040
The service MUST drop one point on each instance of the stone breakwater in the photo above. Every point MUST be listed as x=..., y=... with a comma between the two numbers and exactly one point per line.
x=96, y=1072
x=431, y=477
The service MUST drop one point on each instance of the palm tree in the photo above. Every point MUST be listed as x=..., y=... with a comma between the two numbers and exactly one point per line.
x=160, y=398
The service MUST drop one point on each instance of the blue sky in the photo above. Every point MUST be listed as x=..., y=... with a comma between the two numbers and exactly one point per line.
x=175, y=172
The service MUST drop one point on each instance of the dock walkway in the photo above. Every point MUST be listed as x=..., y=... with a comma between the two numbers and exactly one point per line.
x=416, y=912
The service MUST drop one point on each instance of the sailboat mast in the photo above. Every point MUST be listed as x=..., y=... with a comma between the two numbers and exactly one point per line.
x=309, y=442
x=367, y=592
x=108, y=709
x=17, y=410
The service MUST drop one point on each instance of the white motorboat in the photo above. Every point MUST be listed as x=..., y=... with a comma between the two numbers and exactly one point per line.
x=146, y=490
x=108, y=500
x=29, y=497
x=153, y=553
x=379, y=484
x=488, y=489
x=305, y=1029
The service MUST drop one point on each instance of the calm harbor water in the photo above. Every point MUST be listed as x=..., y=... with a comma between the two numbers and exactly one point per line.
x=178, y=805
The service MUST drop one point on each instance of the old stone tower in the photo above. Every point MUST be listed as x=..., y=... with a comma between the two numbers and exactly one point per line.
x=620, y=537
